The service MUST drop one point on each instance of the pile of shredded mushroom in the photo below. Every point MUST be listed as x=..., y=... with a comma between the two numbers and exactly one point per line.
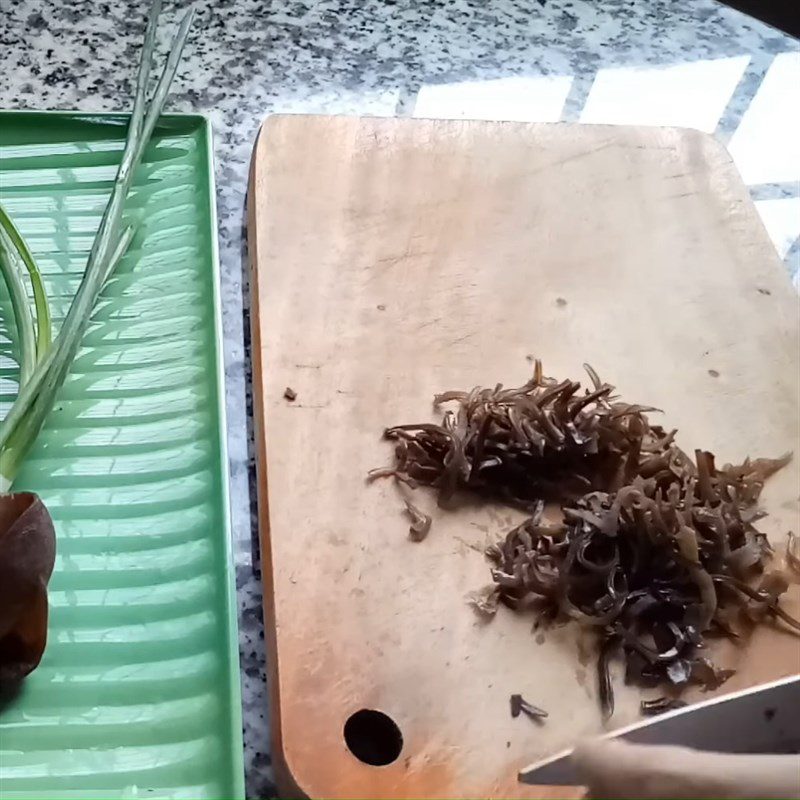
x=655, y=550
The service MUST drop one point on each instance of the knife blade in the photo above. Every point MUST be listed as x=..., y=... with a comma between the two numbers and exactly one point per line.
x=762, y=719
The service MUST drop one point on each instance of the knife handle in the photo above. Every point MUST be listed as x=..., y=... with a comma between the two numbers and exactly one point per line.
x=613, y=768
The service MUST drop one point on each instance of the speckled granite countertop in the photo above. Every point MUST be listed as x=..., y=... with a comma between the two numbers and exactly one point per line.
x=662, y=62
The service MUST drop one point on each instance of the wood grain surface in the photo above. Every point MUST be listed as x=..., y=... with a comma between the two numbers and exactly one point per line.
x=392, y=259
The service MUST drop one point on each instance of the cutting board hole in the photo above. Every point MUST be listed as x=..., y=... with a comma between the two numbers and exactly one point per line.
x=373, y=737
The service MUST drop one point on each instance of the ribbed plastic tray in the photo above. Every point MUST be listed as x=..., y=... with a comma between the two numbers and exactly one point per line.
x=138, y=692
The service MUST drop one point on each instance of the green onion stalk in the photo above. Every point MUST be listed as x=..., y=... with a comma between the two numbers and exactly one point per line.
x=45, y=360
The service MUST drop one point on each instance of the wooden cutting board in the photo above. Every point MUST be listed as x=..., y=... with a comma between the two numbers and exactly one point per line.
x=392, y=259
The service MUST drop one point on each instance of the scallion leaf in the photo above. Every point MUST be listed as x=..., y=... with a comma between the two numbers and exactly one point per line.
x=41, y=382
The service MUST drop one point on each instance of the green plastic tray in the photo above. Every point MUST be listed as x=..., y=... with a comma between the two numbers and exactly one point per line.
x=138, y=692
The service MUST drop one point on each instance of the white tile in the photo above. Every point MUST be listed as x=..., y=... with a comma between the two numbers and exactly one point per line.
x=781, y=218
x=766, y=145
x=520, y=99
x=691, y=95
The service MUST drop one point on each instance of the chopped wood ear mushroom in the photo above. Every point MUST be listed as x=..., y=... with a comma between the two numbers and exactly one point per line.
x=656, y=548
